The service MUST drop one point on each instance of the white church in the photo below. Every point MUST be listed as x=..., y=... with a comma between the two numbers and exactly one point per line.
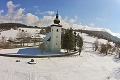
x=53, y=39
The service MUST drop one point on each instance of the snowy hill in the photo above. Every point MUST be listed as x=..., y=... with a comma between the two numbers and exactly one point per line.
x=97, y=29
x=101, y=34
x=13, y=33
x=88, y=66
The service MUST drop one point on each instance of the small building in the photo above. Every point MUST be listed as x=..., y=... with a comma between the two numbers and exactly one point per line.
x=53, y=39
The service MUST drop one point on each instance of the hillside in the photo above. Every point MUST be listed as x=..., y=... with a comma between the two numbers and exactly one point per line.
x=101, y=34
x=6, y=30
x=7, y=26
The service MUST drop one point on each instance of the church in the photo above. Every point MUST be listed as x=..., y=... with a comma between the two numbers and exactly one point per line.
x=52, y=40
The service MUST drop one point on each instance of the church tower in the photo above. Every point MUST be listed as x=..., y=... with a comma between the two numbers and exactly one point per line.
x=56, y=35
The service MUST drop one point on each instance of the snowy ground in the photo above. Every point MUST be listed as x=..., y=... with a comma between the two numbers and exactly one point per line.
x=13, y=33
x=88, y=66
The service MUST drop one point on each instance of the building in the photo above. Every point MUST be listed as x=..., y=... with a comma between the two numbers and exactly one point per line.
x=53, y=39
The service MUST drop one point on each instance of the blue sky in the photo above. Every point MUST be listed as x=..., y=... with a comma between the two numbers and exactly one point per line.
x=94, y=13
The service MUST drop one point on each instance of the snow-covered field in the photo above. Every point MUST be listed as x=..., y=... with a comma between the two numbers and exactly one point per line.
x=13, y=33
x=88, y=66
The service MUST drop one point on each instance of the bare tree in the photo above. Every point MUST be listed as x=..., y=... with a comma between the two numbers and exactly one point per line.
x=95, y=45
x=22, y=35
x=42, y=47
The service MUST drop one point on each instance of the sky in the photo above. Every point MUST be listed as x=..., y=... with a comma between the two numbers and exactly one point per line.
x=72, y=13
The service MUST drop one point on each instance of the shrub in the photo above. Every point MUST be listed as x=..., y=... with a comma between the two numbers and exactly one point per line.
x=103, y=48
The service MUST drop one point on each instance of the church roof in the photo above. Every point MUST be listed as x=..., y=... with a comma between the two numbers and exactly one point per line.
x=48, y=36
x=56, y=20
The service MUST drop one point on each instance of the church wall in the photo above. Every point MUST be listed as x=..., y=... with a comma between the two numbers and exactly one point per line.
x=55, y=38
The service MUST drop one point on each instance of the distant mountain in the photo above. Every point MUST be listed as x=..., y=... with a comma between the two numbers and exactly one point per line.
x=8, y=26
x=97, y=29
x=101, y=34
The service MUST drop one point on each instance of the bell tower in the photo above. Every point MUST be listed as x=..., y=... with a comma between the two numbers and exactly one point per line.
x=56, y=35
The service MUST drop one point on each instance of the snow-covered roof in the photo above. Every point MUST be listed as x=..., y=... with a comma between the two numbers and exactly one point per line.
x=47, y=36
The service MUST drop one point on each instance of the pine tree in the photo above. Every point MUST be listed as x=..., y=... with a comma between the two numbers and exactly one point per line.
x=62, y=38
x=68, y=40
x=79, y=43
x=65, y=43
x=71, y=39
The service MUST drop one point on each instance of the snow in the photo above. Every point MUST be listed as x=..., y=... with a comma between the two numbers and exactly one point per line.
x=87, y=66
x=13, y=33
x=9, y=33
x=97, y=29
x=26, y=51
x=47, y=36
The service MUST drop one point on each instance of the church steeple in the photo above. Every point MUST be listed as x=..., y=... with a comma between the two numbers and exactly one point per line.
x=57, y=15
x=56, y=20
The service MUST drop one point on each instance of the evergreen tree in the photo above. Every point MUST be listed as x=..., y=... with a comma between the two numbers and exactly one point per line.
x=71, y=39
x=65, y=42
x=68, y=40
x=79, y=43
x=62, y=38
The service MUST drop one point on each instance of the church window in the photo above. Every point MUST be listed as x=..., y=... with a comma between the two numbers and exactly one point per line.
x=57, y=30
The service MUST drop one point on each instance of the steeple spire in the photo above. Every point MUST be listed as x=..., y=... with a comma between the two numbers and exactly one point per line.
x=57, y=15
x=56, y=21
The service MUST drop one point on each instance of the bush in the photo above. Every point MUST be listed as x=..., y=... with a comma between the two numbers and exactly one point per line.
x=42, y=47
x=95, y=45
x=105, y=48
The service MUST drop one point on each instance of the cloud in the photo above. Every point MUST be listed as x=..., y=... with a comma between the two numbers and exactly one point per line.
x=92, y=24
x=73, y=20
x=76, y=17
x=30, y=19
x=46, y=12
x=1, y=11
x=11, y=6
x=35, y=6
x=46, y=21
x=49, y=12
x=101, y=19
x=18, y=16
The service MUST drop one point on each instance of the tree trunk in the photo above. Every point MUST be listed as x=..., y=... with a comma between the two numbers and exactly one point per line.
x=119, y=55
x=79, y=51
